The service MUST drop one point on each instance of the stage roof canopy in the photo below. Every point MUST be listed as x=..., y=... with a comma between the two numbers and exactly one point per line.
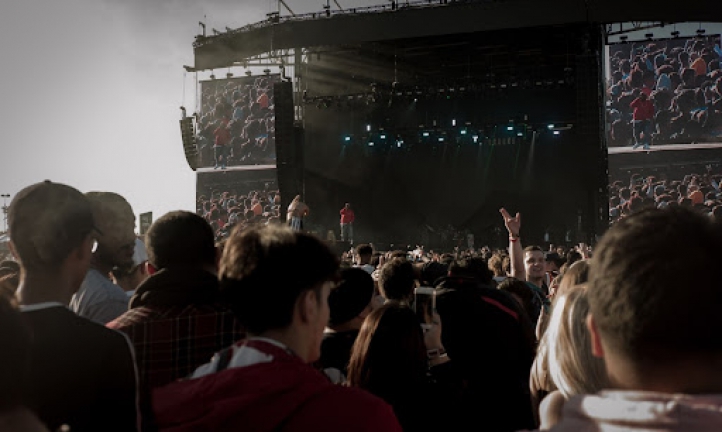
x=428, y=18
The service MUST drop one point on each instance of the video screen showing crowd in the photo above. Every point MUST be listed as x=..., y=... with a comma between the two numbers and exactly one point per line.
x=236, y=124
x=699, y=190
x=664, y=92
x=246, y=204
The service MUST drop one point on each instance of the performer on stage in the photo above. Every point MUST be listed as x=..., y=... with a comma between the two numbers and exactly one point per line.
x=347, y=218
x=297, y=210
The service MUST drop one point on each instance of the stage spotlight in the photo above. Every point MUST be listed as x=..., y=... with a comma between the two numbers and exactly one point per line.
x=213, y=76
x=453, y=122
x=368, y=128
x=510, y=128
x=249, y=73
x=675, y=34
x=700, y=32
x=425, y=134
x=383, y=137
x=623, y=38
x=229, y=75
x=475, y=138
x=463, y=131
x=441, y=139
x=556, y=132
x=550, y=127
x=649, y=36
x=267, y=71
x=520, y=134
x=347, y=138
x=371, y=143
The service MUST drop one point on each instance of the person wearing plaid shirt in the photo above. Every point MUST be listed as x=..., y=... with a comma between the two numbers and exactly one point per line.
x=177, y=319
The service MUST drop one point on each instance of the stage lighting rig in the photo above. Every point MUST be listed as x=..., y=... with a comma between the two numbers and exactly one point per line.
x=249, y=73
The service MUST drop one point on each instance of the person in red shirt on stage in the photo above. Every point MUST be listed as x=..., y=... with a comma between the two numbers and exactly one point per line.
x=347, y=218
x=222, y=139
x=642, y=121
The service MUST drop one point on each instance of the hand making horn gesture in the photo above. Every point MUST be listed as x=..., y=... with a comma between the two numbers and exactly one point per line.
x=513, y=224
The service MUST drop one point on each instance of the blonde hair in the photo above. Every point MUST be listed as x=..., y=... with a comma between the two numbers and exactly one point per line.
x=572, y=367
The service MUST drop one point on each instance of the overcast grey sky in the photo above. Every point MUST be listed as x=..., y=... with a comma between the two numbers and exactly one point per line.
x=90, y=92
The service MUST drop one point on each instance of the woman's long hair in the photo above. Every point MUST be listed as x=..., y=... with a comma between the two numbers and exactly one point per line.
x=389, y=356
x=572, y=367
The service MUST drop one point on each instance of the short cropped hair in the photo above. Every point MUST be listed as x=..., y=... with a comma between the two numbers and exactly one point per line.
x=265, y=269
x=533, y=249
x=180, y=239
x=645, y=301
x=475, y=268
x=47, y=221
x=397, y=279
x=364, y=249
x=496, y=265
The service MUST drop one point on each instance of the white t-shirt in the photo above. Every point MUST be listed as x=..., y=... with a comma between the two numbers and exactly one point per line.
x=99, y=299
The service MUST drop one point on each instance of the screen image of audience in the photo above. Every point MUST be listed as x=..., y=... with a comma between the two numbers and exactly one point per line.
x=236, y=124
x=664, y=92
x=254, y=204
x=698, y=191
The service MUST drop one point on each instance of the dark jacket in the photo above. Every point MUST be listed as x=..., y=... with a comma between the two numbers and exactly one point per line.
x=491, y=351
x=81, y=373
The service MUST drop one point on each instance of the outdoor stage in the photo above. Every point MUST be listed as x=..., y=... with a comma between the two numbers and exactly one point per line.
x=667, y=147
x=664, y=158
x=237, y=168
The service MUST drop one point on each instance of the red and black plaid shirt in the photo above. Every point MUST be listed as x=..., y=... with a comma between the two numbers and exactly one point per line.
x=171, y=342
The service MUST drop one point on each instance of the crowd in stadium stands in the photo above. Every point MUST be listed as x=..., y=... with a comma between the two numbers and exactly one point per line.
x=269, y=330
x=237, y=124
x=700, y=192
x=224, y=210
x=665, y=92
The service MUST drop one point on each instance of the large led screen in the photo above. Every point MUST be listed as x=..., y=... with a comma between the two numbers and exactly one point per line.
x=236, y=123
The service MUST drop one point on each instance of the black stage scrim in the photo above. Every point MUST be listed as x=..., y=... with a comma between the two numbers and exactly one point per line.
x=428, y=138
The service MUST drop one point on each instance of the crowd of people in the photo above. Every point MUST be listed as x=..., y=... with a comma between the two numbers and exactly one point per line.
x=225, y=209
x=665, y=92
x=236, y=124
x=699, y=191
x=269, y=330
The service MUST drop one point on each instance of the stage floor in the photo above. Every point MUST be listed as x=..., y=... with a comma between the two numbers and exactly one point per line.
x=237, y=168
x=668, y=147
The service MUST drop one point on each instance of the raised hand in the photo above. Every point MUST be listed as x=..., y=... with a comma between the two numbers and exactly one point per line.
x=513, y=224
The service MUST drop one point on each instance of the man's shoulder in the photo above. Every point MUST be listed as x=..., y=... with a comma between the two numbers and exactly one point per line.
x=171, y=315
x=97, y=285
x=62, y=321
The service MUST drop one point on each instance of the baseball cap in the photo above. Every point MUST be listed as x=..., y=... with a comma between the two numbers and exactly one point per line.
x=47, y=221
